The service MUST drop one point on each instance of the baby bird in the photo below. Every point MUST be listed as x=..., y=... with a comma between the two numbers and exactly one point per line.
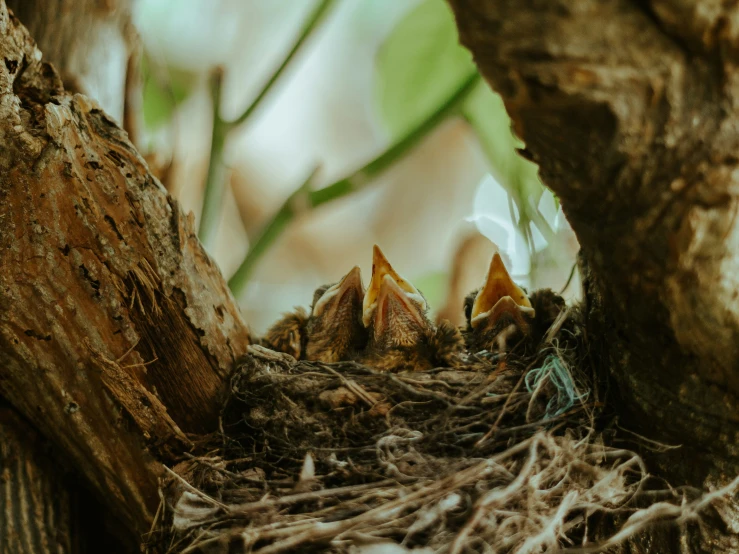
x=287, y=334
x=400, y=334
x=501, y=313
x=333, y=332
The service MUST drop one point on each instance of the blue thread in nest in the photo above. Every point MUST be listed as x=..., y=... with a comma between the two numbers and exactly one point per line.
x=559, y=376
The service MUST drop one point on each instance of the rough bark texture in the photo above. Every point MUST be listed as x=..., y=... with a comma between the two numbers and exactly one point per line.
x=87, y=41
x=630, y=108
x=45, y=505
x=35, y=505
x=116, y=329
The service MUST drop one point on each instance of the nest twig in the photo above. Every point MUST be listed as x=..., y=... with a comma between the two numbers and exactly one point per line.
x=493, y=457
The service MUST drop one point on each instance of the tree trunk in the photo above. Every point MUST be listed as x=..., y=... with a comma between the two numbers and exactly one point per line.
x=117, y=331
x=88, y=42
x=35, y=504
x=44, y=504
x=630, y=109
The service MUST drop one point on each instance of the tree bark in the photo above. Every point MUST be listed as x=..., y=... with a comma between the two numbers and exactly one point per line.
x=117, y=331
x=89, y=42
x=630, y=109
x=36, y=511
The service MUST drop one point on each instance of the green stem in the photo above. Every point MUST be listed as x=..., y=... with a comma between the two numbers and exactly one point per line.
x=274, y=228
x=359, y=178
x=347, y=185
x=215, y=181
x=542, y=224
x=309, y=26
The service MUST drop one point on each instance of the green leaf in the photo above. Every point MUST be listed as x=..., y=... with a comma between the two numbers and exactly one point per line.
x=485, y=112
x=419, y=65
x=163, y=89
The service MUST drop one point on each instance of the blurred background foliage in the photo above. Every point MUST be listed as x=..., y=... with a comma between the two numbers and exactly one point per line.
x=300, y=133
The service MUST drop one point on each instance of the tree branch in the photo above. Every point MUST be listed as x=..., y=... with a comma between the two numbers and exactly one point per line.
x=216, y=180
x=634, y=125
x=117, y=331
x=35, y=505
x=87, y=41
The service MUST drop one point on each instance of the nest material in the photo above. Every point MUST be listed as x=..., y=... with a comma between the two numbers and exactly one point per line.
x=501, y=456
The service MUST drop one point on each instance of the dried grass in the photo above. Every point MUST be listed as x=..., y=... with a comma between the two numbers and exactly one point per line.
x=502, y=456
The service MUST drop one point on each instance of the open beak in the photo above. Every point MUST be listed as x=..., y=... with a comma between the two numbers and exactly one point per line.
x=381, y=268
x=342, y=297
x=397, y=318
x=500, y=295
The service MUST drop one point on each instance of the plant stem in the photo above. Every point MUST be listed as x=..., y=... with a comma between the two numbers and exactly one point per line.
x=308, y=27
x=215, y=183
x=359, y=178
x=516, y=189
x=295, y=204
x=355, y=181
x=216, y=176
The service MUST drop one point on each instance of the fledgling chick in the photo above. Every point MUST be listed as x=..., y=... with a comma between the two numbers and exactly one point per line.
x=501, y=313
x=333, y=332
x=287, y=334
x=400, y=334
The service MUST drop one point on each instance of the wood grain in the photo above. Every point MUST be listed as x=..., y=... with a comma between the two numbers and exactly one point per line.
x=117, y=330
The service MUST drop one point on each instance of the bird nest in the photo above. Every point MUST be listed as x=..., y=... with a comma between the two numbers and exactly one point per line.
x=506, y=454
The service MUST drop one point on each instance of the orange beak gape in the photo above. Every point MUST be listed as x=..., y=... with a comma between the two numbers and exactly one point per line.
x=498, y=296
x=391, y=304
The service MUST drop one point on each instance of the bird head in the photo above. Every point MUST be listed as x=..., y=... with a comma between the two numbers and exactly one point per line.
x=393, y=311
x=334, y=328
x=498, y=305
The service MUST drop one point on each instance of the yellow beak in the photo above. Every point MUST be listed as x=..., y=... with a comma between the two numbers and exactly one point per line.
x=397, y=318
x=380, y=269
x=499, y=294
x=342, y=293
